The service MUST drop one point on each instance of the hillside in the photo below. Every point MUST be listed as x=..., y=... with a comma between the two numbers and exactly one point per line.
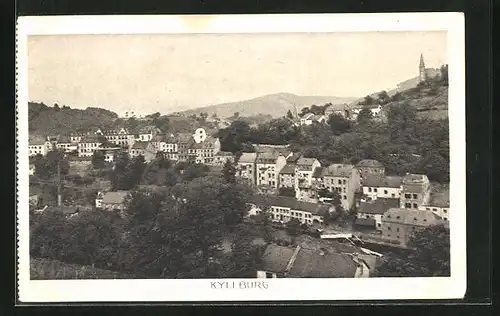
x=275, y=105
x=45, y=120
x=430, y=102
x=48, y=269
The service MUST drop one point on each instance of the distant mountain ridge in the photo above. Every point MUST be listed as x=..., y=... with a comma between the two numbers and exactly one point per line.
x=275, y=105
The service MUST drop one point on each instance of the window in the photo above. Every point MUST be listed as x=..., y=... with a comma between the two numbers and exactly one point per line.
x=392, y=195
x=345, y=197
x=397, y=237
x=445, y=218
x=415, y=205
x=397, y=229
x=269, y=275
x=340, y=181
x=427, y=209
x=434, y=210
x=398, y=217
x=369, y=189
x=378, y=224
x=374, y=189
x=407, y=205
x=385, y=192
x=415, y=196
x=445, y=211
x=407, y=196
x=389, y=228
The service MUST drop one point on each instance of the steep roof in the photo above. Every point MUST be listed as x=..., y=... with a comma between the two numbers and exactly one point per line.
x=117, y=197
x=414, y=217
x=379, y=206
x=267, y=157
x=317, y=173
x=306, y=161
x=369, y=163
x=308, y=116
x=248, y=157
x=293, y=158
x=322, y=264
x=288, y=169
x=338, y=170
x=381, y=181
x=276, y=258
x=90, y=139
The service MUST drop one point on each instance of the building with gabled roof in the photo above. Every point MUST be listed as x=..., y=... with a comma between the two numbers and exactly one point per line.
x=246, y=167
x=416, y=190
x=146, y=149
x=267, y=166
x=114, y=200
x=370, y=167
x=381, y=186
x=399, y=224
x=375, y=210
x=343, y=179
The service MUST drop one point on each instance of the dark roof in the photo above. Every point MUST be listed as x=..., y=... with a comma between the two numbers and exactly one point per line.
x=267, y=157
x=440, y=198
x=370, y=163
x=140, y=145
x=287, y=169
x=276, y=258
x=378, y=180
x=63, y=139
x=288, y=202
x=365, y=222
x=414, y=217
x=379, y=206
x=306, y=161
x=414, y=178
x=322, y=264
x=318, y=171
x=90, y=139
x=293, y=158
x=338, y=170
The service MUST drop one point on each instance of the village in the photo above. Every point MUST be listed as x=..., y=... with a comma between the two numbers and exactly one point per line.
x=340, y=217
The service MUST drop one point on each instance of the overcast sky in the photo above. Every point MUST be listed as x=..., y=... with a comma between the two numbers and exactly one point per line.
x=165, y=73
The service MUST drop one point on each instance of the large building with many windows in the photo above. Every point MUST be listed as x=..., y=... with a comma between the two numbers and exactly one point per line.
x=416, y=190
x=343, y=179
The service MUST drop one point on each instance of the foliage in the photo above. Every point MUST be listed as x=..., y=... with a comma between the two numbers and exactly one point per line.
x=365, y=115
x=293, y=227
x=286, y=191
x=229, y=172
x=289, y=115
x=430, y=258
x=338, y=124
x=46, y=167
x=98, y=160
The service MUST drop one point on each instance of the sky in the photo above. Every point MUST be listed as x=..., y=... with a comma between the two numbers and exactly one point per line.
x=173, y=72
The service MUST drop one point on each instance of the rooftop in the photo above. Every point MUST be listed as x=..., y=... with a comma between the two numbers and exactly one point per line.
x=440, y=197
x=369, y=163
x=306, y=161
x=365, y=222
x=318, y=171
x=415, y=178
x=267, y=157
x=117, y=197
x=414, y=217
x=338, y=170
x=381, y=181
x=140, y=145
x=293, y=158
x=289, y=202
x=288, y=169
x=276, y=258
x=248, y=157
x=379, y=206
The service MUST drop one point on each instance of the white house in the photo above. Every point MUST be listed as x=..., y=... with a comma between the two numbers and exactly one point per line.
x=246, y=167
x=38, y=148
x=112, y=200
x=268, y=165
x=88, y=145
x=381, y=186
x=343, y=179
x=439, y=203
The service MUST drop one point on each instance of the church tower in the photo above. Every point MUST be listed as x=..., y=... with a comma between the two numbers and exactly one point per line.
x=421, y=69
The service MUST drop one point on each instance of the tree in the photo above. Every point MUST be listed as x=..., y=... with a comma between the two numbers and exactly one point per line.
x=229, y=172
x=430, y=257
x=365, y=115
x=338, y=124
x=289, y=115
x=368, y=100
x=286, y=191
x=304, y=111
x=383, y=97
x=98, y=161
x=444, y=74
x=293, y=227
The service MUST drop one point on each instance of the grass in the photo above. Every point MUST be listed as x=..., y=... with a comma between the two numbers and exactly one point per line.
x=48, y=269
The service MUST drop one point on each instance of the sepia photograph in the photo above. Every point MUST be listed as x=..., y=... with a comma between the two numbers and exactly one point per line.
x=240, y=158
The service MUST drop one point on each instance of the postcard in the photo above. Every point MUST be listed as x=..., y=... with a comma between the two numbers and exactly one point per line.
x=288, y=157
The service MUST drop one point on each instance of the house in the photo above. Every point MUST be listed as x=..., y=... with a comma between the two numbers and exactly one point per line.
x=221, y=158
x=286, y=176
x=38, y=147
x=33, y=200
x=145, y=134
x=416, y=191
x=381, y=186
x=338, y=109
x=369, y=167
x=146, y=149
x=200, y=135
x=167, y=145
x=370, y=214
x=343, y=179
x=109, y=153
x=184, y=141
x=268, y=165
x=121, y=137
x=64, y=143
x=304, y=170
x=76, y=137
x=282, y=209
x=299, y=262
x=310, y=118
x=111, y=200
x=246, y=167
x=205, y=150
x=398, y=224
x=439, y=202
x=88, y=144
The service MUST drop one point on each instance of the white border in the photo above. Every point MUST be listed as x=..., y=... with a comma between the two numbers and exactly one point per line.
x=279, y=289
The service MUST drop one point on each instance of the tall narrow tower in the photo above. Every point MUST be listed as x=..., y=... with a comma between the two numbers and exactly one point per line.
x=421, y=69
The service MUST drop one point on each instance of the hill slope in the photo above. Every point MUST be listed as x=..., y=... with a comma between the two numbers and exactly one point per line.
x=44, y=120
x=275, y=105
